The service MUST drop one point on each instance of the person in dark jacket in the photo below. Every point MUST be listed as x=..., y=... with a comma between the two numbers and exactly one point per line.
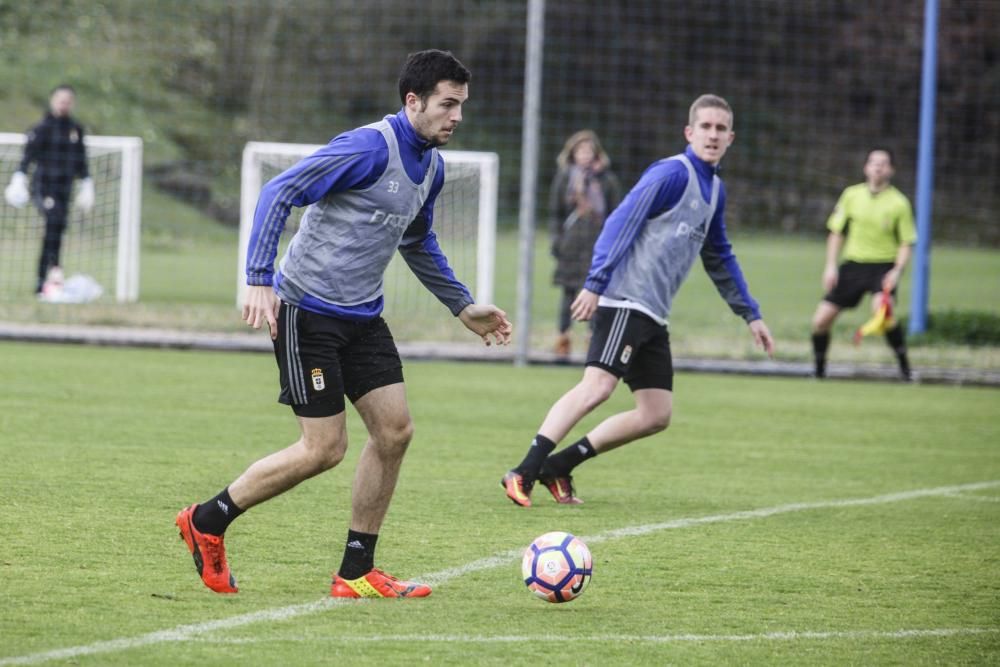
x=583, y=193
x=55, y=147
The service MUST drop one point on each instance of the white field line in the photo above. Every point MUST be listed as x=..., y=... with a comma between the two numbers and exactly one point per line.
x=980, y=498
x=184, y=632
x=854, y=635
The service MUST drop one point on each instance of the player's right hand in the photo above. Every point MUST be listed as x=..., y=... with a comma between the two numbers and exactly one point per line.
x=16, y=193
x=830, y=277
x=262, y=306
x=584, y=306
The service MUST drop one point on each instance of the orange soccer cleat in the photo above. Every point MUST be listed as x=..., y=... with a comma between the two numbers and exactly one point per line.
x=561, y=488
x=209, y=553
x=517, y=490
x=377, y=584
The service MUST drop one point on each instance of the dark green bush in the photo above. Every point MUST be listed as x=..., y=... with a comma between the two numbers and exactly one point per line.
x=962, y=327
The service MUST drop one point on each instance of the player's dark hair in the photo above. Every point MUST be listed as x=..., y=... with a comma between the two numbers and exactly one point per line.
x=62, y=86
x=887, y=151
x=424, y=69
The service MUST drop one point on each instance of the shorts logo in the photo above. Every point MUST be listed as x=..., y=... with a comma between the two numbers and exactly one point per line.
x=319, y=384
x=626, y=354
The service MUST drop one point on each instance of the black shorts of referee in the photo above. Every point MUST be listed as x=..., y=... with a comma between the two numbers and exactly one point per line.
x=855, y=279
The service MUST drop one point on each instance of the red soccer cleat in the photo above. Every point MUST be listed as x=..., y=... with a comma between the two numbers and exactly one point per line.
x=206, y=550
x=561, y=488
x=517, y=490
x=377, y=584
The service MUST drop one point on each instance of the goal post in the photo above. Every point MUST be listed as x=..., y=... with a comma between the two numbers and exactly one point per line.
x=102, y=243
x=465, y=220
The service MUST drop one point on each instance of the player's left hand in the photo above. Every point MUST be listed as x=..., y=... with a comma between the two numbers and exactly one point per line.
x=762, y=337
x=890, y=280
x=486, y=321
x=85, y=197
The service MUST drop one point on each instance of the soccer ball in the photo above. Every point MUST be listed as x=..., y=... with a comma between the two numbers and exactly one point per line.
x=556, y=567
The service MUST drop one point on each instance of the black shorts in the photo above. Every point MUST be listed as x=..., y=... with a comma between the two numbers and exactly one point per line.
x=632, y=346
x=321, y=358
x=855, y=279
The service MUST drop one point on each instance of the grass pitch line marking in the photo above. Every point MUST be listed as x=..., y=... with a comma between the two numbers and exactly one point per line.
x=970, y=496
x=858, y=635
x=633, y=531
x=183, y=632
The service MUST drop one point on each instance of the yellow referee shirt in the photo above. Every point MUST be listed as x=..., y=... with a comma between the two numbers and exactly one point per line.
x=875, y=224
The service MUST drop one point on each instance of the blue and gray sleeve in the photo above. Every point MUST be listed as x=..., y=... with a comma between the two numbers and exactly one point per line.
x=659, y=189
x=419, y=248
x=351, y=160
x=721, y=265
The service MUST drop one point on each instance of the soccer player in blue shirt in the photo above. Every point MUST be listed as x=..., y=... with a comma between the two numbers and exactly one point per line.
x=649, y=243
x=370, y=192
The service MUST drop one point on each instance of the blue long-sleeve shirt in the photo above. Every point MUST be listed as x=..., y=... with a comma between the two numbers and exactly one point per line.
x=657, y=193
x=353, y=161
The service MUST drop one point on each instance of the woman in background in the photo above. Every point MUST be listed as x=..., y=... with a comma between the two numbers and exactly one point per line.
x=584, y=192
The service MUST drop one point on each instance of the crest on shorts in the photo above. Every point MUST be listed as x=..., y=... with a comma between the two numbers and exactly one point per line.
x=626, y=354
x=319, y=384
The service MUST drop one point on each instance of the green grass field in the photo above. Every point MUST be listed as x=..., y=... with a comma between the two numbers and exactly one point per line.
x=777, y=521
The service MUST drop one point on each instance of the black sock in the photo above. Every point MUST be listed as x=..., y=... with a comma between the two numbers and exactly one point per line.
x=896, y=339
x=359, y=555
x=214, y=516
x=562, y=463
x=540, y=448
x=821, y=343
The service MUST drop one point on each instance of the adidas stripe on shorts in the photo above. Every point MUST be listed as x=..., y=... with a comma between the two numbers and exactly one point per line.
x=321, y=359
x=632, y=346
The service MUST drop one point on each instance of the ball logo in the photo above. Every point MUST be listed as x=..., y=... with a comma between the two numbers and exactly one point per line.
x=556, y=567
x=319, y=384
x=626, y=354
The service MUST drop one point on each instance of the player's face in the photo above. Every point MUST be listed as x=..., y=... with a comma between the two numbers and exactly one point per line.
x=878, y=168
x=711, y=134
x=436, y=118
x=61, y=103
x=584, y=154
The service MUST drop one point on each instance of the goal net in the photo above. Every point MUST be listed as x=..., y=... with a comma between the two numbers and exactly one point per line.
x=102, y=243
x=464, y=222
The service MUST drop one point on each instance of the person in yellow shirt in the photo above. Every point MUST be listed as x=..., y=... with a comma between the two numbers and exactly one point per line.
x=872, y=224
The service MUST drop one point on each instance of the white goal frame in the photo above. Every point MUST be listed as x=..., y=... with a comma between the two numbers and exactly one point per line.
x=129, y=204
x=251, y=182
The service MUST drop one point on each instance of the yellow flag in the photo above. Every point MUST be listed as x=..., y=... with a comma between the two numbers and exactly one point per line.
x=880, y=322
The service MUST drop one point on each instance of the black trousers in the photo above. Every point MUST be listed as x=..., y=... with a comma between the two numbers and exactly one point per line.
x=52, y=201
